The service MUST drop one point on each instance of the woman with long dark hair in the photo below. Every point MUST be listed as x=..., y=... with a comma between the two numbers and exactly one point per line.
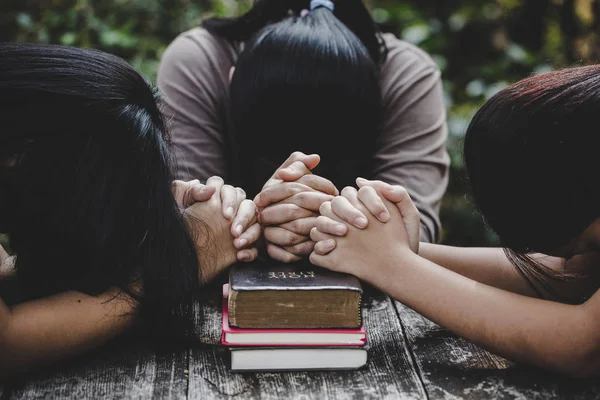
x=86, y=199
x=532, y=158
x=316, y=77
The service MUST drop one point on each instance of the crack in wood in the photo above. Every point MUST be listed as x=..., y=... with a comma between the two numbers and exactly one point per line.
x=417, y=367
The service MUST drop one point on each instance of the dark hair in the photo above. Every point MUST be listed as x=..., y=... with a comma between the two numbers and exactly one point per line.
x=86, y=181
x=531, y=156
x=305, y=84
x=352, y=13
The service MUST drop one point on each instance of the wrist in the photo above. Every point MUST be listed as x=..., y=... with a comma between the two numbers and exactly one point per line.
x=392, y=269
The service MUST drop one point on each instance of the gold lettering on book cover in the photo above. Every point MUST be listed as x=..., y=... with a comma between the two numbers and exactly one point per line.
x=291, y=275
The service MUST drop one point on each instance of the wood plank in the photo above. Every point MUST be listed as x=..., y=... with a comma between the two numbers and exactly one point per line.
x=453, y=368
x=390, y=372
x=125, y=369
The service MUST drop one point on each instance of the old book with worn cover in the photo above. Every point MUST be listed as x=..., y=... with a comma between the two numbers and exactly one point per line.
x=287, y=337
x=299, y=295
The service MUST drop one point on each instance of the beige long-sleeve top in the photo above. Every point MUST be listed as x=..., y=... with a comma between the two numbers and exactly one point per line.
x=194, y=79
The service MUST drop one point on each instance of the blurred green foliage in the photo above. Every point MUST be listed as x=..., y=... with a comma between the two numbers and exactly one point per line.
x=480, y=45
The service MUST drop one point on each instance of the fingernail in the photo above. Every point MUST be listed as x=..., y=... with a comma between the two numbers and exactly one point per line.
x=229, y=212
x=330, y=243
x=361, y=181
x=243, y=256
x=384, y=216
x=239, y=229
x=361, y=222
x=257, y=199
x=340, y=229
x=242, y=242
x=303, y=13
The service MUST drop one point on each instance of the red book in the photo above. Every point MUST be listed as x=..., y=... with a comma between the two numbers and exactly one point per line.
x=232, y=336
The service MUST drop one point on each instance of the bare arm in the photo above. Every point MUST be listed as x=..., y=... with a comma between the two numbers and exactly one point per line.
x=44, y=331
x=492, y=267
x=560, y=337
x=486, y=265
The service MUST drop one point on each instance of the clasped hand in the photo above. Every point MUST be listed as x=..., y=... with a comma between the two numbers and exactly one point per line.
x=222, y=221
x=301, y=214
x=365, y=229
x=288, y=207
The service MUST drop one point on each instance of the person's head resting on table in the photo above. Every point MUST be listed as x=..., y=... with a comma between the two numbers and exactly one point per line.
x=309, y=82
x=86, y=186
x=531, y=155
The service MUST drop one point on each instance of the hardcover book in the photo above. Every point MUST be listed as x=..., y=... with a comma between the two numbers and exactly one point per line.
x=300, y=295
x=301, y=359
x=287, y=337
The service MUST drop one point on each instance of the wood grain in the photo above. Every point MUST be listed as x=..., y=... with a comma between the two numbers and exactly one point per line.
x=409, y=357
x=452, y=368
x=390, y=372
x=123, y=370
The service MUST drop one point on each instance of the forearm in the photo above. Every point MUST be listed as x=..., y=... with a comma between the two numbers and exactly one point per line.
x=492, y=267
x=543, y=333
x=44, y=331
x=485, y=265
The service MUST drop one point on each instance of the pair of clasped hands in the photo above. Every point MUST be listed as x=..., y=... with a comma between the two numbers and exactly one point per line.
x=300, y=214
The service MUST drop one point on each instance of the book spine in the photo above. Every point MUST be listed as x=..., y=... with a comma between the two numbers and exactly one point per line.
x=360, y=307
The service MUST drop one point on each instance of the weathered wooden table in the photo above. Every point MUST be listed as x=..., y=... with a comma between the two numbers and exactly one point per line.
x=409, y=358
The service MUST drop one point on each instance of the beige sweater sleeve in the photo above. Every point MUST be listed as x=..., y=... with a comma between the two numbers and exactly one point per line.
x=193, y=77
x=412, y=150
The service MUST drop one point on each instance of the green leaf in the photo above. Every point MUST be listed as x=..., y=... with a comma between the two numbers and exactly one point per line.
x=116, y=38
x=68, y=38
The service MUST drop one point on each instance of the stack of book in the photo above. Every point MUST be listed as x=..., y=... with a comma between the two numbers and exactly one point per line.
x=293, y=317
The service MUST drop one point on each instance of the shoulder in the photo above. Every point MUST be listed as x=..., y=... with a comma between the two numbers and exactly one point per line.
x=407, y=75
x=199, y=50
x=200, y=40
x=406, y=63
x=401, y=52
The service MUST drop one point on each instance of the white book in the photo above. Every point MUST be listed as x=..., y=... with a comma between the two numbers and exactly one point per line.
x=287, y=359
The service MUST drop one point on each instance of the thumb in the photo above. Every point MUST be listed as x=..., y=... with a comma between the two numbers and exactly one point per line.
x=180, y=188
x=294, y=172
x=311, y=161
x=198, y=193
x=394, y=193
